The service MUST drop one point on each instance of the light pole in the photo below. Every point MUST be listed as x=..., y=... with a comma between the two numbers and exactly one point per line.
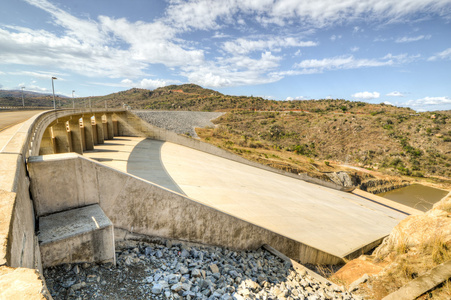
x=73, y=102
x=53, y=88
x=23, y=102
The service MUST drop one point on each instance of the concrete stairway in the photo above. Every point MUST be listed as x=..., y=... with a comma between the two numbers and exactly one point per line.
x=83, y=234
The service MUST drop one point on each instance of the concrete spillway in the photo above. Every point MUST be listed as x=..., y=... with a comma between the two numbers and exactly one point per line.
x=335, y=222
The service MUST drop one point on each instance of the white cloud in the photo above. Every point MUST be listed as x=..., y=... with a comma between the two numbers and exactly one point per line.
x=312, y=66
x=429, y=101
x=82, y=30
x=445, y=54
x=41, y=48
x=220, y=35
x=366, y=95
x=154, y=83
x=354, y=49
x=407, y=39
x=160, y=48
x=35, y=88
x=244, y=46
x=86, y=48
x=395, y=94
x=209, y=14
x=349, y=62
x=295, y=98
x=234, y=71
x=143, y=84
x=127, y=82
x=335, y=37
x=119, y=48
x=267, y=97
x=387, y=103
x=41, y=74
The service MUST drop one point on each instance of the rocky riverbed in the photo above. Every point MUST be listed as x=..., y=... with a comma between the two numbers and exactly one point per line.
x=181, y=122
x=154, y=271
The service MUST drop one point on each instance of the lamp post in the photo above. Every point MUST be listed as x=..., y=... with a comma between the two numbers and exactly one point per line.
x=73, y=102
x=23, y=102
x=53, y=88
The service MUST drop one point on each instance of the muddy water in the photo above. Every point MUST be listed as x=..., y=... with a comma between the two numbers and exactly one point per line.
x=417, y=196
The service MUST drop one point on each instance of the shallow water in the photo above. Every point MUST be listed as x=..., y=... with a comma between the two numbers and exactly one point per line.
x=417, y=196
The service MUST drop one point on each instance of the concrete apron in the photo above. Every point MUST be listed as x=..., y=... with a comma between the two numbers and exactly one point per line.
x=335, y=222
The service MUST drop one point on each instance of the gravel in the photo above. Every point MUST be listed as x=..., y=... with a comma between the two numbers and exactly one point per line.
x=181, y=122
x=154, y=271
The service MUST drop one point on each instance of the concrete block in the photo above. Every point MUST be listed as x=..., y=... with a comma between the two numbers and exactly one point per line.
x=78, y=235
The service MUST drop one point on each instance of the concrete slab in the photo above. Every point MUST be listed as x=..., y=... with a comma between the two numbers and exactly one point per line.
x=336, y=222
x=422, y=284
x=78, y=235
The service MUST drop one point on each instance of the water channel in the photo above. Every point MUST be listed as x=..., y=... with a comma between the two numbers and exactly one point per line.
x=417, y=196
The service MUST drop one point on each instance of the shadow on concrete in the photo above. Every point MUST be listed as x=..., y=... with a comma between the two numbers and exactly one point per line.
x=99, y=159
x=121, y=139
x=114, y=144
x=145, y=162
x=101, y=150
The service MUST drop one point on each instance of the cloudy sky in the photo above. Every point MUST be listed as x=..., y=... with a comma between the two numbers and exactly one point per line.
x=393, y=51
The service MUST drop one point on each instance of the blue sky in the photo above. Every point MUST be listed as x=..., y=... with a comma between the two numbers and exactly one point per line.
x=393, y=51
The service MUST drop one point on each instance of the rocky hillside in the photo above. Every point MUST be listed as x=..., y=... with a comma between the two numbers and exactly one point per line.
x=394, y=141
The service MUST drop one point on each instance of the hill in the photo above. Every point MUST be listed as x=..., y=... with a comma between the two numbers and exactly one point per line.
x=14, y=98
x=289, y=134
x=395, y=141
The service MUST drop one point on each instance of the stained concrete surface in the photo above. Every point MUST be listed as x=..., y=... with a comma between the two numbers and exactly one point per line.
x=333, y=221
x=76, y=235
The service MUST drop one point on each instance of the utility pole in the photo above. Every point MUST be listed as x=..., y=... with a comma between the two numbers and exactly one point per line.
x=23, y=102
x=53, y=88
x=73, y=102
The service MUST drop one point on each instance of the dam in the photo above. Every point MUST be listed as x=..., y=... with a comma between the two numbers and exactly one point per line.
x=146, y=180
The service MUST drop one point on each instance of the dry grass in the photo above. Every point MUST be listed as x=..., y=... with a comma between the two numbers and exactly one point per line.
x=410, y=262
x=445, y=204
x=265, y=153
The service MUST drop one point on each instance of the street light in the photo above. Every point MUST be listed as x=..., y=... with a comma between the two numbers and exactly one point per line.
x=53, y=88
x=23, y=102
x=73, y=102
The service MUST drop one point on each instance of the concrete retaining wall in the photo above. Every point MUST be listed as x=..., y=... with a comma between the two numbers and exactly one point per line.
x=141, y=207
x=18, y=243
